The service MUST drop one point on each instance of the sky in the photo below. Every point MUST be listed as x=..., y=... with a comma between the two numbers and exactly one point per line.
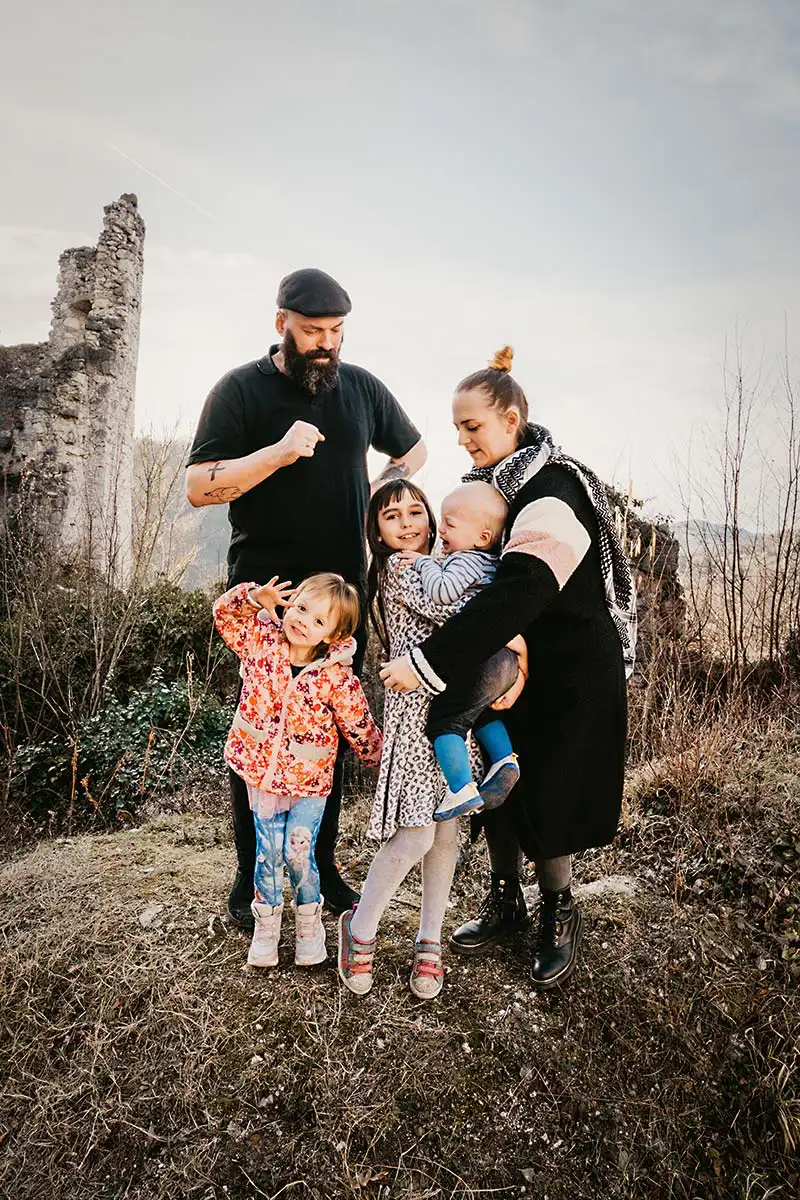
x=611, y=186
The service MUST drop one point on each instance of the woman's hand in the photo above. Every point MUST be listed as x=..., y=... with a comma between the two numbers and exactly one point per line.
x=512, y=695
x=272, y=595
x=520, y=648
x=398, y=676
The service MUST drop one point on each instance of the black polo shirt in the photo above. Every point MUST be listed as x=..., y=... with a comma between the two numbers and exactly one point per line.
x=308, y=516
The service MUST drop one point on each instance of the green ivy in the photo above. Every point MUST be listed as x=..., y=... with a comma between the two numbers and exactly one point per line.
x=159, y=739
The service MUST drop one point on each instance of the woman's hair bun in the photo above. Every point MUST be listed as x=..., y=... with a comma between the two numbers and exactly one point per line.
x=502, y=360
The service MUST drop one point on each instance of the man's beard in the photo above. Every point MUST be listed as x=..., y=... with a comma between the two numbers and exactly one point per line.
x=308, y=371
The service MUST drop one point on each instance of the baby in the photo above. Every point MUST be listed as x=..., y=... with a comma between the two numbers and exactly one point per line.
x=472, y=522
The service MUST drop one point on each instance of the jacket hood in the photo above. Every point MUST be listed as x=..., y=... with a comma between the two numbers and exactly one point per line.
x=339, y=652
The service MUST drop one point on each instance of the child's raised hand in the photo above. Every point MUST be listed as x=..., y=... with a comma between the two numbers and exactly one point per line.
x=272, y=595
x=407, y=557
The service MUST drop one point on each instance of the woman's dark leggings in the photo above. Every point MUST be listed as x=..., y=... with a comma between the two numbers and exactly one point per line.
x=506, y=857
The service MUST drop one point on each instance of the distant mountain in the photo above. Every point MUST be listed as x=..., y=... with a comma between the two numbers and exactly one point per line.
x=700, y=536
x=201, y=538
x=193, y=543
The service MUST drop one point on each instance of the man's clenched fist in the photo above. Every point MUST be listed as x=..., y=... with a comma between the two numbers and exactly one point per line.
x=300, y=441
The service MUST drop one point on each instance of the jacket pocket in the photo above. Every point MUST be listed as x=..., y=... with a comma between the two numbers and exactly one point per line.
x=239, y=722
x=309, y=752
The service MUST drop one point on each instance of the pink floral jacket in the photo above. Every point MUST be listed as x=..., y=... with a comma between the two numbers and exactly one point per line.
x=284, y=736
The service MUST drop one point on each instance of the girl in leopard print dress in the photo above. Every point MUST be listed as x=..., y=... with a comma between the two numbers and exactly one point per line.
x=410, y=783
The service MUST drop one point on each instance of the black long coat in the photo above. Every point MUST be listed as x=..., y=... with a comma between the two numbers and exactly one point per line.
x=569, y=725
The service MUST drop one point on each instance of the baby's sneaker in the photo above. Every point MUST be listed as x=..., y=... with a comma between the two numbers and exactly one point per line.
x=263, y=950
x=456, y=804
x=310, y=935
x=498, y=781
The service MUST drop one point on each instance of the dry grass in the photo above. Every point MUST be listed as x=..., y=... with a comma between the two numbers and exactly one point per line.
x=144, y=1060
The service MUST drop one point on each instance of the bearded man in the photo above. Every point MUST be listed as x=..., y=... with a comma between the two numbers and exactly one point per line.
x=283, y=441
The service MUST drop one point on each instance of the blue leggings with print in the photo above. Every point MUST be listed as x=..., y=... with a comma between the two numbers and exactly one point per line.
x=290, y=838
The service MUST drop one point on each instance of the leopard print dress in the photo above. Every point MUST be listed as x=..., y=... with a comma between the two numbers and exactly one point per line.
x=410, y=783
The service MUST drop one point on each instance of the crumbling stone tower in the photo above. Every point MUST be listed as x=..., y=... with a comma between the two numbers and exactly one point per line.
x=67, y=405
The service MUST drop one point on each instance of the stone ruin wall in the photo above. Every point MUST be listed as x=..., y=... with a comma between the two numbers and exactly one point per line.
x=67, y=405
x=653, y=552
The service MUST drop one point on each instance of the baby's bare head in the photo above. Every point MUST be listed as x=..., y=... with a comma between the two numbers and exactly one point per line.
x=473, y=517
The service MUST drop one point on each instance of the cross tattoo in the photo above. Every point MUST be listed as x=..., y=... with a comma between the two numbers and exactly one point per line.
x=212, y=471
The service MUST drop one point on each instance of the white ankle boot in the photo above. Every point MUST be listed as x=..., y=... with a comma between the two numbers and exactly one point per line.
x=310, y=934
x=263, y=950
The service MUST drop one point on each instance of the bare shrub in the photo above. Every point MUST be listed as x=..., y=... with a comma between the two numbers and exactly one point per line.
x=76, y=637
x=742, y=535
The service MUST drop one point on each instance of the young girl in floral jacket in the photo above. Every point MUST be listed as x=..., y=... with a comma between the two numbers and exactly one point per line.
x=298, y=691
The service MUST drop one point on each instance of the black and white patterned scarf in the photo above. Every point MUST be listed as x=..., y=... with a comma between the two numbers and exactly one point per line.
x=514, y=472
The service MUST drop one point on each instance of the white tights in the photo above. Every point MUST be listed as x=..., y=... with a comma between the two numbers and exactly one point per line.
x=437, y=846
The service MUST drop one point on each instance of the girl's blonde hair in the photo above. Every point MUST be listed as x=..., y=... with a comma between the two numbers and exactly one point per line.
x=343, y=598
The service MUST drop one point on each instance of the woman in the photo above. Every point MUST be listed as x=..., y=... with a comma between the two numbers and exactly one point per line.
x=565, y=584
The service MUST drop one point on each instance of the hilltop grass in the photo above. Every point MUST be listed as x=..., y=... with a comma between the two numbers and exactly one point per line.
x=144, y=1061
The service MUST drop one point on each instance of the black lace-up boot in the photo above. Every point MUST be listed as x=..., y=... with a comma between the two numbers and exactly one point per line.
x=502, y=913
x=557, y=939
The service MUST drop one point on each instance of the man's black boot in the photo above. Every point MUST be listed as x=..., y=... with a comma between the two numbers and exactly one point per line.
x=502, y=913
x=336, y=892
x=557, y=939
x=244, y=836
x=240, y=899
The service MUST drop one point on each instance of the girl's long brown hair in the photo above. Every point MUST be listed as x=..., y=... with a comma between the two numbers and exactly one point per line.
x=388, y=493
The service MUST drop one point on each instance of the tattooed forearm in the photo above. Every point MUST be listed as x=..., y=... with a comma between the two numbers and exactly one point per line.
x=401, y=468
x=394, y=470
x=222, y=495
x=242, y=474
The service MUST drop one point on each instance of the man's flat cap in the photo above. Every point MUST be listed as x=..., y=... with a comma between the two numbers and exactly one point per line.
x=314, y=294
